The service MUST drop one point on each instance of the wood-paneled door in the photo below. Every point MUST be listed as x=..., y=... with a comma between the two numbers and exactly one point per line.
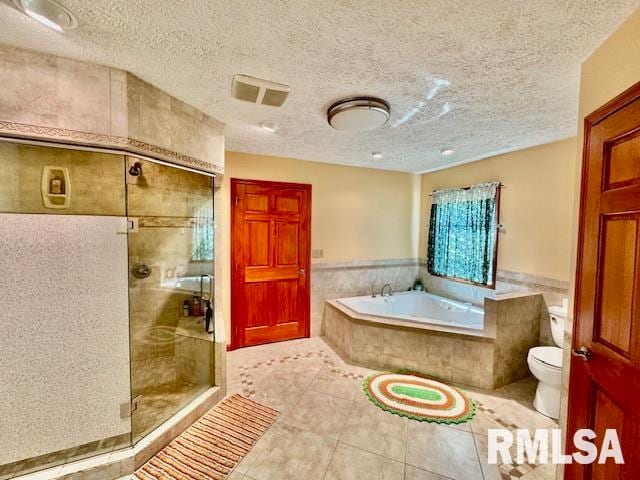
x=270, y=259
x=604, y=391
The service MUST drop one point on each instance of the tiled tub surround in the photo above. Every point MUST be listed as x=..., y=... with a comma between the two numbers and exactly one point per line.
x=553, y=291
x=490, y=358
x=330, y=280
x=58, y=99
x=354, y=278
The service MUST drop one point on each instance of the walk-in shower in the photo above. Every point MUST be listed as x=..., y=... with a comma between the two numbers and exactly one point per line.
x=106, y=300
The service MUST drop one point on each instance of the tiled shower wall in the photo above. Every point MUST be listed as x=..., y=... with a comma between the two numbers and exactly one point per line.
x=171, y=355
x=64, y=308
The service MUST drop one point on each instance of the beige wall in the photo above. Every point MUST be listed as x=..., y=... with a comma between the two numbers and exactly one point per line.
x=610, y=70
x=357, y=213
x=536, y=207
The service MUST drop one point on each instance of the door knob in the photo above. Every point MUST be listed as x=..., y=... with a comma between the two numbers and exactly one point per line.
x=301, y=271
x=582, y=352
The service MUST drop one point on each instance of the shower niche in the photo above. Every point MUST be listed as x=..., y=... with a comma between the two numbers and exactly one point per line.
x=55, y=187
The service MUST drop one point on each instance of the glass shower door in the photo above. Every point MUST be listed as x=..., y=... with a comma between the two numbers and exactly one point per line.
x=171, y=267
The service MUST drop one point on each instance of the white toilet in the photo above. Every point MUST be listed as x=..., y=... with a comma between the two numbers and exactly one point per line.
x=545, y=364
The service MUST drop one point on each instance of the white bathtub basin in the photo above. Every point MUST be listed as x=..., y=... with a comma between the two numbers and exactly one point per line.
x=418, y=307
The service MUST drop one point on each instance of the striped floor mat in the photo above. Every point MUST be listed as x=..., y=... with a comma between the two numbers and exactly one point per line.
x=212, y=446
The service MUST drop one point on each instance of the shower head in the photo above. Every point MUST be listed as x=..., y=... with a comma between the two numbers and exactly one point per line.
x=136, y=169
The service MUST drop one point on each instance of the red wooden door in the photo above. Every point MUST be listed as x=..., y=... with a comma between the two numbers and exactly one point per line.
x=604, y=391
x=270, y=257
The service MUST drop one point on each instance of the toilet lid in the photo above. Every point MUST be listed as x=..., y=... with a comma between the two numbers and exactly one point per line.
x=552, y=356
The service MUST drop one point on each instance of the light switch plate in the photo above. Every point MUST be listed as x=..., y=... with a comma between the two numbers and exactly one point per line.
x=317, y=253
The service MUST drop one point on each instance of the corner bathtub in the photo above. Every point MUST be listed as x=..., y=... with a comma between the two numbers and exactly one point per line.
x=418, y=307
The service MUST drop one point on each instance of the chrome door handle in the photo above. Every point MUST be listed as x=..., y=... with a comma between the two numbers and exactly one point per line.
x=582, y=352
x=301, y=271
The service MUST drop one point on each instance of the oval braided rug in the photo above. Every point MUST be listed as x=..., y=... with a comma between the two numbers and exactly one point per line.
x=419, y=397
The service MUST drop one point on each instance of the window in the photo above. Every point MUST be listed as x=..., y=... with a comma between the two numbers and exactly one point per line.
x=202, y=242
x=463, y=233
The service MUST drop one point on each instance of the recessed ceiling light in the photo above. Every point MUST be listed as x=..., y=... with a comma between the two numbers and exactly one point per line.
x=49, y=13
x=358, y=114
x=377, y=154
x=269, y=127
x=447, y=151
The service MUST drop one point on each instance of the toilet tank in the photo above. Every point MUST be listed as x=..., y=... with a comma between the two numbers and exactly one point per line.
x=557, y=317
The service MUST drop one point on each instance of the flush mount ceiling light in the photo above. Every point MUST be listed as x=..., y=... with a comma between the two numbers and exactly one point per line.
x=447, y=151
x=377, y=154
x=358, y=114
x=49, y=13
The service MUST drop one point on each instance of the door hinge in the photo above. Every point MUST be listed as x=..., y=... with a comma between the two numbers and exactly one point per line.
x=237, y=199
x=127, y=408
x=132, y=225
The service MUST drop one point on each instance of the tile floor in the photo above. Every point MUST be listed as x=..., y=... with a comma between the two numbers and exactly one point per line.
x=329, y=430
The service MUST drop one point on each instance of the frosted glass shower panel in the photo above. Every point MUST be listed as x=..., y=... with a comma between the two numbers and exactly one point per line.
x=64, y=328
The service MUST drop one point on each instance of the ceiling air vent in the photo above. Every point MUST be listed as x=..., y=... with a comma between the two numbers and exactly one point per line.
x=257, y=90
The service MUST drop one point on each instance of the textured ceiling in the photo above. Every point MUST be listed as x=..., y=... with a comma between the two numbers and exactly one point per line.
x=480, y=76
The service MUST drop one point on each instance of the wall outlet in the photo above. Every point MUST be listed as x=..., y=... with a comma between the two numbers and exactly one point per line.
x=317, y=253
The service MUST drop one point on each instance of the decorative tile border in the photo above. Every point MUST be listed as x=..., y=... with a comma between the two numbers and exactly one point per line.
x=533, y=282
x=507, y=471
x=364, y=264
x=125, y=144
x=246, y=379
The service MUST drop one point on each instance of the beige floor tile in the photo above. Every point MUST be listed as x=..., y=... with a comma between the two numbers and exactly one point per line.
x=280, y=397
x=301, y=372
x=483, y=421
x=235, y=475
x=465, y=427
x=490, y=472
x=374, y=430
x=305, y=379
x=289, y=453
x=488, y=399
x=350, y=463
x=318, y=413
x=523, y=390
x=522, y=416
x=414, y=473
x=443, y=450
x=335, y=384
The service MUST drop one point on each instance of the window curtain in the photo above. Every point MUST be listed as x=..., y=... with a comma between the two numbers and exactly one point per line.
x=202, y=244
x=462, y=231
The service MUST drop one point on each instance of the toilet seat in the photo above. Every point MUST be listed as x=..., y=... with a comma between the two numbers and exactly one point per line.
x=550, y=356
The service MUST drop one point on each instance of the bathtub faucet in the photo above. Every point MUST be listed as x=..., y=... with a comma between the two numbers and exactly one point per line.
x=390, y=290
